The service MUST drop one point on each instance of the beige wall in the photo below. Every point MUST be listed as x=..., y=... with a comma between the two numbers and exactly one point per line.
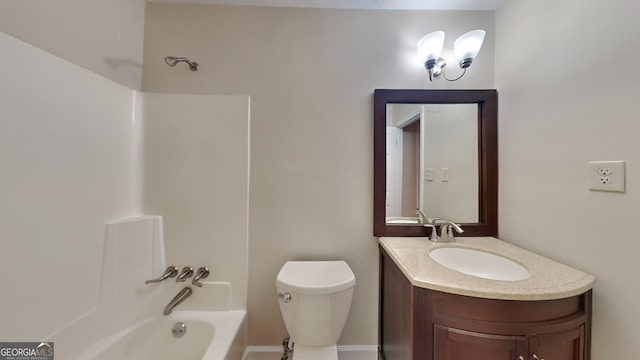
x=568, y=95
x=311, y=75
x=103, y=36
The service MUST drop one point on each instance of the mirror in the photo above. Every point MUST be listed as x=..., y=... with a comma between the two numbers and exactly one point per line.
x=435, y=150
x=431, y=162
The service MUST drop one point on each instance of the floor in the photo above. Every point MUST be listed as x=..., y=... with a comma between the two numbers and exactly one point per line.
x=342, y=355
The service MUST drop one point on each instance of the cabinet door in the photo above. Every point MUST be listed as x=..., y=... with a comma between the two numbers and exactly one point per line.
x=565, y=345
x=456, y=344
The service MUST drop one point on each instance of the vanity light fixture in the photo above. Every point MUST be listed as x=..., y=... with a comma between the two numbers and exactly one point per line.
x=465, y=49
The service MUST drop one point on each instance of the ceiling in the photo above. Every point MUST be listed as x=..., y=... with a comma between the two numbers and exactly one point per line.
x=357, y=4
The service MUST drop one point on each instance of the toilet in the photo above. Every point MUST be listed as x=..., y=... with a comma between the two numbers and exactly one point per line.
x=315, y=297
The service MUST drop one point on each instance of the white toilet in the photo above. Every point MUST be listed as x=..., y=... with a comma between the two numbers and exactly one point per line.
x=315, y=297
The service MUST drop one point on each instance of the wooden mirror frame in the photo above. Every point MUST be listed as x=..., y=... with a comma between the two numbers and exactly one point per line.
x=487, y=101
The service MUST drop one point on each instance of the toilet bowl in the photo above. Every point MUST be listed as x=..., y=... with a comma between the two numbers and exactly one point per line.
x=315, y=297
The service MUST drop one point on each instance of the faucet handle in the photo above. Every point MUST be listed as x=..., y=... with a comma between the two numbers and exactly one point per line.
x=434, y=232
x=202, y=273
x=187, y=271
x=446, y=230
x=171, y=271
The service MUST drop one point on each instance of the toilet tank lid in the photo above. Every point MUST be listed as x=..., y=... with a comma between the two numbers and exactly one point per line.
x=315, y=277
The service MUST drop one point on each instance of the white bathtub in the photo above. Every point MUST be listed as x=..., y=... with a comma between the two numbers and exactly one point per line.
x=210, y=335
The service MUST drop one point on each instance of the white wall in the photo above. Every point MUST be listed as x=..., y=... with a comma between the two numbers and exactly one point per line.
x=568, y=95
x=451, y=141
x=69, y=164
x=71, y=155
x=311, y=74
x=196, y=174
x=104, y=36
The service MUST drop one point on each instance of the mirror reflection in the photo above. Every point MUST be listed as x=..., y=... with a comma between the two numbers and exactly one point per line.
x=436, y=152
x=431, y=162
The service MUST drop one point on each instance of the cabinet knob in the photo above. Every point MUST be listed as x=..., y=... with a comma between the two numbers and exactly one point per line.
x=521, y=357
x=535, y=357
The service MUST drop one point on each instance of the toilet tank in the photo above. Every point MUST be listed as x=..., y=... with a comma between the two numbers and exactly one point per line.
x=321, y=293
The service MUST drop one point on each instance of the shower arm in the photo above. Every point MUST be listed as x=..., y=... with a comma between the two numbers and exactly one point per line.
x=173, y=60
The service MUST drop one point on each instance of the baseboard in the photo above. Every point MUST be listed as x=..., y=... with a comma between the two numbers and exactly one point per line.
x=260, y=349
x=361, y=348
x=363, y=351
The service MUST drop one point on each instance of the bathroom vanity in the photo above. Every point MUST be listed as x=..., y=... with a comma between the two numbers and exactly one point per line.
x=477, y=298
x=431, y=312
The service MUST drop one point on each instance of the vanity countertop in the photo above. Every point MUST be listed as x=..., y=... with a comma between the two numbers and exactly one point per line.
x=548, y=279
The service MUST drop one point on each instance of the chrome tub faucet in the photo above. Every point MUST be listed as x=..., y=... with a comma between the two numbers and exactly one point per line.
x=182, y=295
x=186, y=272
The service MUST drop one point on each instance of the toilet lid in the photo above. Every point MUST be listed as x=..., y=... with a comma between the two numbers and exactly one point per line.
x=315, y=277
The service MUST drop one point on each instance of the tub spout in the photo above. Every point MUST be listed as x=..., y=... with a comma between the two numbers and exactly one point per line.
x=183, y=294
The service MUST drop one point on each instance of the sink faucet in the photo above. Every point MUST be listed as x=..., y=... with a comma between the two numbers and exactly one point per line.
x=182, y=295
x=446, y=231
x=422, y=218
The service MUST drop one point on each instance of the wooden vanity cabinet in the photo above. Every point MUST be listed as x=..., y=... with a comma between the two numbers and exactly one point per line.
x=423, y=324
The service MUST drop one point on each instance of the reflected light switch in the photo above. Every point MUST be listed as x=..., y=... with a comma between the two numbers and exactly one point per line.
x=428, y=174
x=444, y=177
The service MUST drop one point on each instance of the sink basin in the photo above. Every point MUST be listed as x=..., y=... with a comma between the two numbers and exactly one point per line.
x=479, y=263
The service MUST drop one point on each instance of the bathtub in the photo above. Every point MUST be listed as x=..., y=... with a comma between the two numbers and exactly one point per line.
x=209, y=335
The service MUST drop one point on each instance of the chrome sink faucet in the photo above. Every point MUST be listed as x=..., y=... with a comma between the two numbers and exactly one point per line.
x=424, y=221
x=182, y=295
x=422, y=218
x=446, y=231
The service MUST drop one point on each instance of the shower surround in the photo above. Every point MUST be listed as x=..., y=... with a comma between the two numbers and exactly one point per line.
x=76, y=153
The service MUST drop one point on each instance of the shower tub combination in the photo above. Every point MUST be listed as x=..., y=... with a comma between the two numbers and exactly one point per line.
x=128, y=323
x=206, y=335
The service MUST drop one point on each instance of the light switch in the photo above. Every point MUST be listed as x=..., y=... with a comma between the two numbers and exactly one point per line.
x=444, y=175
x=428, y=174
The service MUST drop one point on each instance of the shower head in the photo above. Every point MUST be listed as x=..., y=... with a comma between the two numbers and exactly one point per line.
x=173, y=60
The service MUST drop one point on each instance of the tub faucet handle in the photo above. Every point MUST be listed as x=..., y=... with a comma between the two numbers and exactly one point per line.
x=202, y=273
x=187, y=271
x=171, y=271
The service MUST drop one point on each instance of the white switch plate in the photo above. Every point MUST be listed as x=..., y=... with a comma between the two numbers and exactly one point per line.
x=444, y=174
x=428, y=174
x=607, y=175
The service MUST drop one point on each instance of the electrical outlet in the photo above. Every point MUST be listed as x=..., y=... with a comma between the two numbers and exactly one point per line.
x=607, y=176
x=605, y=171
x=605, y=180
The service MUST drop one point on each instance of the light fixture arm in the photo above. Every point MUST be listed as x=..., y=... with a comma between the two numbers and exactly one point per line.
x=464, y=71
